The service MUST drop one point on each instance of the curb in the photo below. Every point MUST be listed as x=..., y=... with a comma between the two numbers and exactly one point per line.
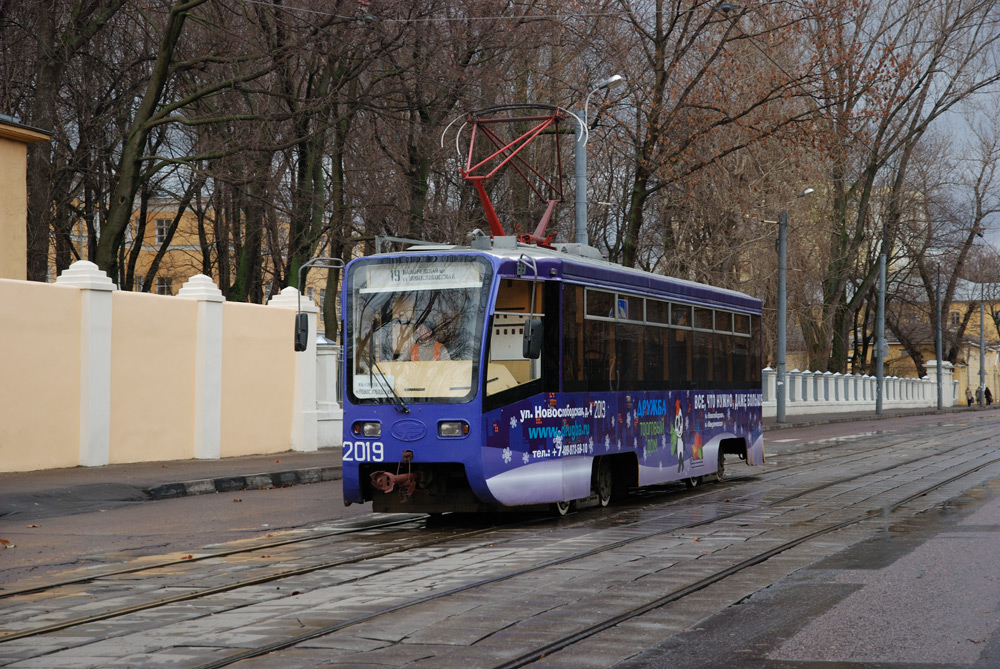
x=813, y=421
x=261, y=481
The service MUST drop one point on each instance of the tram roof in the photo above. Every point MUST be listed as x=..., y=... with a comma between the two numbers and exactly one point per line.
x=602, y=273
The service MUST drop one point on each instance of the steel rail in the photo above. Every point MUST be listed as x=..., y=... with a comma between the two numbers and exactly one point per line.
x=323, y=631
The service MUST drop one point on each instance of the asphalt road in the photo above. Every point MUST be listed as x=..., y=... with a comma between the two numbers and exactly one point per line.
x=60, y=537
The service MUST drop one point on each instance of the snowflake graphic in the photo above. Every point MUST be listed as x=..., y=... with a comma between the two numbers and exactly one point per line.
x=619, y=444
x=590, y=447
x=557, y=440
x=513, y=421
x=635, y=442
x=644, y=455
x=525, y=458
x=506, y=455
x=663, y=441
x=628, y=417
x=607, y=442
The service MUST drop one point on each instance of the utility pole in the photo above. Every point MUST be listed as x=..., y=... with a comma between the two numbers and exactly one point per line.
x=938, y=344
x=782, y=308
x=880, y=344
x=982, y=345
x=780, y=388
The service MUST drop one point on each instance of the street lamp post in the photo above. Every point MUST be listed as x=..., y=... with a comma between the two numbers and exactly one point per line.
x=938, y=344
x=782, y=307
x=881, y=349
x=580, y=162
x=982, y=346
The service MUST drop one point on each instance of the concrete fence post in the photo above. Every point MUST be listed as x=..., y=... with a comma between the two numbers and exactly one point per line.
x=207, y=365
x=769, y=385
x=792, y=379
x=95, y=360
x=305, y=435
x=330, y=415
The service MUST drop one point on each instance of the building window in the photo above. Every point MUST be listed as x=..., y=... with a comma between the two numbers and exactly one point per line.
x=953, y=319
x=322, y=295
x=164, y=285
x=138, y=282
x=162, y=229
x=311, y=294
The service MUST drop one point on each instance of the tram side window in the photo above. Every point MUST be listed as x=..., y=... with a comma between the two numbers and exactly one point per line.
x=600, y=365
x=656, y=340
x=628, y=340
x=572, y=344
x=722, y=358
x=741, y=361
x=679, y=355
x=654, y=373
x=600, y=368
x=701, y=357
x=754, y=351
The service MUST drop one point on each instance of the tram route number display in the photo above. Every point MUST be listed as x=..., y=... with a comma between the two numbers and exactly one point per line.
x=363, y=451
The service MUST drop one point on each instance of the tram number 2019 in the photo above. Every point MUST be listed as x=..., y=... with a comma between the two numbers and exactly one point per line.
x=362, y=451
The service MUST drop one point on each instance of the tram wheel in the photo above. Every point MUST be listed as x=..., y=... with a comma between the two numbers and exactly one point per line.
x=720, y=472
x=560, y=508
x=605, y=481
x=692, y=482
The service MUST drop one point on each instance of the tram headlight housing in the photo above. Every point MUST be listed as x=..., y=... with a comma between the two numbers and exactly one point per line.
x=453, y=428
x=367, y=429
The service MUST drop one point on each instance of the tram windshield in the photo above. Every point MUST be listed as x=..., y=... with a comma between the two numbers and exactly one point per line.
x=414, y=329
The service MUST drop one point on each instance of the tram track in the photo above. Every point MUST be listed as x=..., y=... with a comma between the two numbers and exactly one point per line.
x=635, y=612
x=430, y=542
x=190, y=559
x=680, y=593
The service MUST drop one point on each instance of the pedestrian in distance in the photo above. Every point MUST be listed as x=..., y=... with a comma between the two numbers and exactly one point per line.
x=968, y=396
x=989, y=396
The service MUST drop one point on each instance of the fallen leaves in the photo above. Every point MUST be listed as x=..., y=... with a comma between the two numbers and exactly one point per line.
x=32, y=525
x=6, y=544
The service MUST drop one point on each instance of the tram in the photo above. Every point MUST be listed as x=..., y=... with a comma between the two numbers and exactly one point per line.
x=506, y=375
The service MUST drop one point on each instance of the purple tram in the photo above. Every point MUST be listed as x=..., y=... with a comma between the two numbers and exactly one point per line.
x=505, y=375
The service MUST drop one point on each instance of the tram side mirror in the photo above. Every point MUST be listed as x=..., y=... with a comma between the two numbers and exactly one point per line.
x=301, y=331
x=531, y=347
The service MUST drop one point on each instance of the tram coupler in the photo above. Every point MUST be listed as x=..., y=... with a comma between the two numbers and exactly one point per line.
x=406, y=483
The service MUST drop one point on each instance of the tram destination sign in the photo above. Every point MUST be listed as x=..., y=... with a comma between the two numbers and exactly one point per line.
x=441, y=275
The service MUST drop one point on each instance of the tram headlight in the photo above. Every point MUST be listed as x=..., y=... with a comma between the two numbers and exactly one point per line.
x=453, y=428
x=367, y=429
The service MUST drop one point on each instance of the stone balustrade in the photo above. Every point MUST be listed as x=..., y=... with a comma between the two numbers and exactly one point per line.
x=811, y=392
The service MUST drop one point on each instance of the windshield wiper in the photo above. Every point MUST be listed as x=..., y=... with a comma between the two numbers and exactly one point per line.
x=397, y=401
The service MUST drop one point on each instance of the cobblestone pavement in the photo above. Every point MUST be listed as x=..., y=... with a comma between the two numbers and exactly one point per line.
x=468, y=592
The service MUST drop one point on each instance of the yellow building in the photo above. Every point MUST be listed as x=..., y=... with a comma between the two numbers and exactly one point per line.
x=182, y=259
x=14, y=140
x=967, y=363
